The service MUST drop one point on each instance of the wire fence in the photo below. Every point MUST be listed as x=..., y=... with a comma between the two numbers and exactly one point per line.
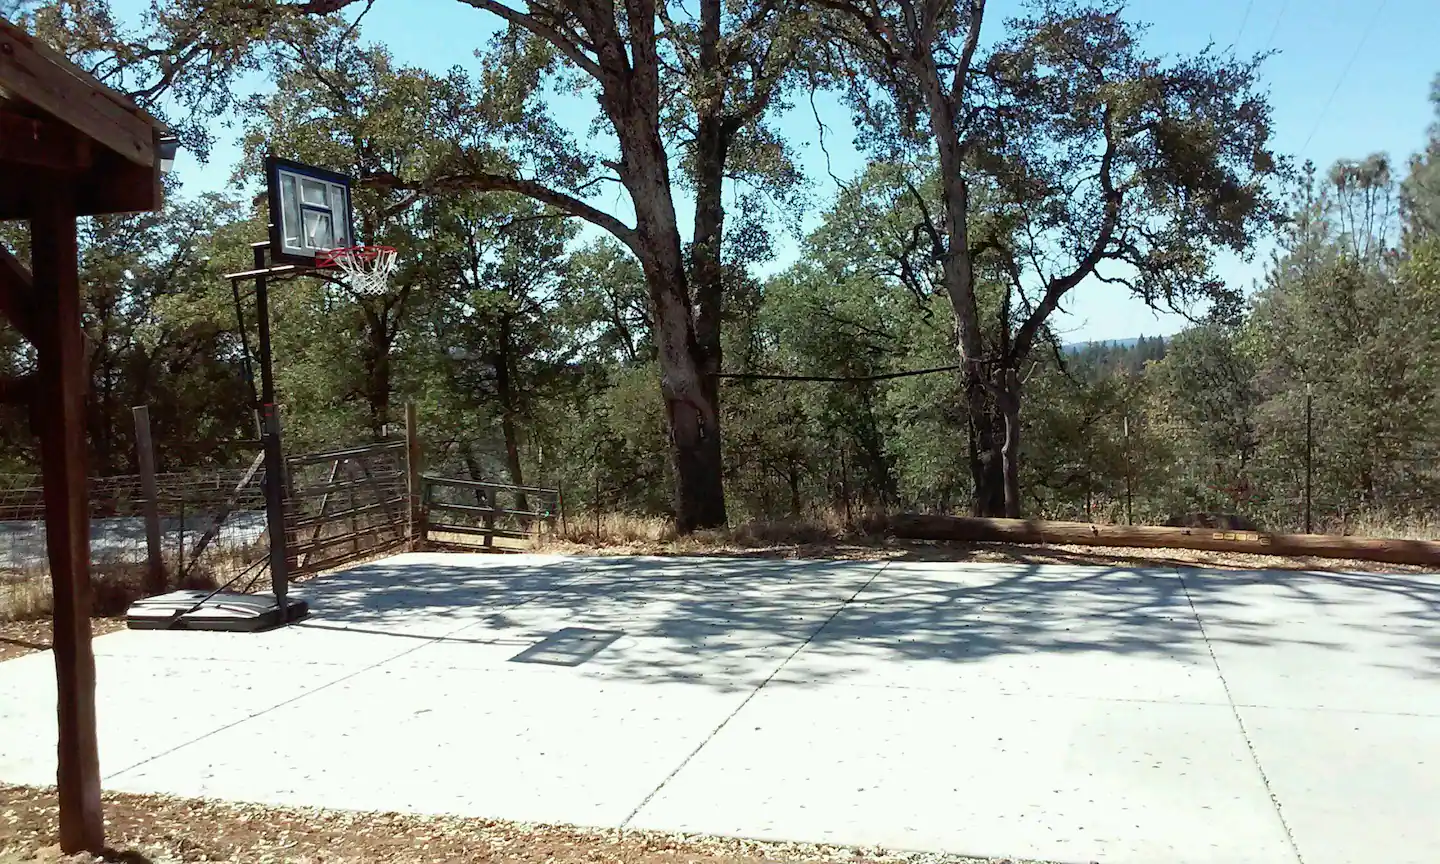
x=212, y=527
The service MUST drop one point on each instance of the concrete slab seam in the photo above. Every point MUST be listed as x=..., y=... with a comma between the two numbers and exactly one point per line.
x=326, y=686
x=1240, y=721
x=753, y=693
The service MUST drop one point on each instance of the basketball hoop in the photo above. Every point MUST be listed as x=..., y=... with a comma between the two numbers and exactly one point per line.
x=367, y=269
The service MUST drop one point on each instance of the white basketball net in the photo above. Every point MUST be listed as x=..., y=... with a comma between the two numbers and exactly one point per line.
x=367, y=269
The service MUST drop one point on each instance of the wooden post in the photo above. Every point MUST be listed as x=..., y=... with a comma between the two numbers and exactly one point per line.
x=60, y=421
x=1424, y=553
x=155, y=581
x=354, y=519
x=490, y=503
x=1129, y=513
x=1309, y=456
x=413, y=455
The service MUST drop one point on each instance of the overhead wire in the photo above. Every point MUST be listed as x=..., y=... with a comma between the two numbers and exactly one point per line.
x=1244, y=19
x=1379, y=7
x=836, y=379
x=1275, y=30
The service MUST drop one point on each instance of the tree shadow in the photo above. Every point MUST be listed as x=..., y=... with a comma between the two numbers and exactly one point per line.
x=725, y=621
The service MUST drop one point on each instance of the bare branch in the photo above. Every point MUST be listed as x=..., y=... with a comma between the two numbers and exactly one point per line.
x=688, y=61
x=967, y=54
x=569, y=45
x=487, y=182
x=872, y=22
x=1057, y=287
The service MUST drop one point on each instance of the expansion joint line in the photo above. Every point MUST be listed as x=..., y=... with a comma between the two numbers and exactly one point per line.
x=1239, y=721
x=584, y=573
x=845, y=604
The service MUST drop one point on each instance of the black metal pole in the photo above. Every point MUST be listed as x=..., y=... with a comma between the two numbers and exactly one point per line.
x=245, y=366
x=1309, y=455
x=274, y=456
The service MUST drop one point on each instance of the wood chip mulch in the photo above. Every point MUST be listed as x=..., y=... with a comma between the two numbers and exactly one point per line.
x=892, y=549
x=162, y=830
x=25, y=637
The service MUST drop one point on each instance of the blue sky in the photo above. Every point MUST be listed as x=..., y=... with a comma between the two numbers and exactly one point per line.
x=1350, y=78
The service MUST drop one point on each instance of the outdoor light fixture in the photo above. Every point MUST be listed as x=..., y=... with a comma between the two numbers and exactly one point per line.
x=169, y=147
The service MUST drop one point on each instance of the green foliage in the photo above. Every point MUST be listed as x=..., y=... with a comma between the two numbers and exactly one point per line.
x=532, y=349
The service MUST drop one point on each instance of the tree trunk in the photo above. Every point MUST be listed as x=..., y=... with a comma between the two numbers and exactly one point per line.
x=691, y=405
x=377, y=371
x=472, y=465
x=1424, y=553
x=700, y=451
x=707, y=274
x=507, y=416
x=712, y=143
x=986, y=456
x=1007, y=398
x=958, y=272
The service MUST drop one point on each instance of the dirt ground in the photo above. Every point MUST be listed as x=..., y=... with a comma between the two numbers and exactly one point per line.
x=161, y=830
x=24, y=637
x=889, y=548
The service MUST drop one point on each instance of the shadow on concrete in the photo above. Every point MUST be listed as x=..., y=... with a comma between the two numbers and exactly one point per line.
x=702, y=619
x=569, y=646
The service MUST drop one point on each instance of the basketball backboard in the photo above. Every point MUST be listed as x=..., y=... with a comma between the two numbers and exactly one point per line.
x=309, y=211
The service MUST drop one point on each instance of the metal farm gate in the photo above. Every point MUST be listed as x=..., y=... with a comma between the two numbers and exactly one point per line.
x=346, y=505
x=468, y=513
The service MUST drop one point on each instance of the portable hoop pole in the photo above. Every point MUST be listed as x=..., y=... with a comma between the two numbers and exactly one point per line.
x=270, y=440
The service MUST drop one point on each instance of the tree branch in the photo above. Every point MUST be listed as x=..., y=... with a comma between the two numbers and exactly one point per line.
x=872, y=22
x=967, y=54
x=567, y=45
x=1058, y=286
x=486, y=182
x=688, y=61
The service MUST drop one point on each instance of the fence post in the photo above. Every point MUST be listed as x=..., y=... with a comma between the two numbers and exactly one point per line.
x=1129, y=512
x=1309, y=456
x=490, y=504
x=416, y=527
x=155, y=579
x=560, y=505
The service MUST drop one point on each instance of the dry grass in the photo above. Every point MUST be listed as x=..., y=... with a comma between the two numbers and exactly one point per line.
x=1404, y=527
x=162, y=830
x=622, y=533
x=114, y=586
x=828, y=535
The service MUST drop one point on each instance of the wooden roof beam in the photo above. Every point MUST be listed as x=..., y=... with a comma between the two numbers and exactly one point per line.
x=29, y=74
x=17, y=294
x=39, y=143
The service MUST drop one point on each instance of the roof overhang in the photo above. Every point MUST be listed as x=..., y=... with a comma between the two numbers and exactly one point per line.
x=55, y=117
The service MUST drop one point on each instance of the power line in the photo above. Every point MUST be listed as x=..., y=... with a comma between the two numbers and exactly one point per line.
x=835, y=379
x=1379, y=7
x=1270, y=42
x=1244, y=19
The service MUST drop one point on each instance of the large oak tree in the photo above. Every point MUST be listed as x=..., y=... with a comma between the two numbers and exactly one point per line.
x=1066, y=155
x=668, y=79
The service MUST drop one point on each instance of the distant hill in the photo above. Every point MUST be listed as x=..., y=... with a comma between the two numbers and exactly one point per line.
x=1077, y=347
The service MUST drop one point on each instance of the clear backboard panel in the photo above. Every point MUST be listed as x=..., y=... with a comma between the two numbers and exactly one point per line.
x=309, y=211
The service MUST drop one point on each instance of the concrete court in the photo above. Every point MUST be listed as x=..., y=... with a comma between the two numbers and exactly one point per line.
x=1062, y=713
